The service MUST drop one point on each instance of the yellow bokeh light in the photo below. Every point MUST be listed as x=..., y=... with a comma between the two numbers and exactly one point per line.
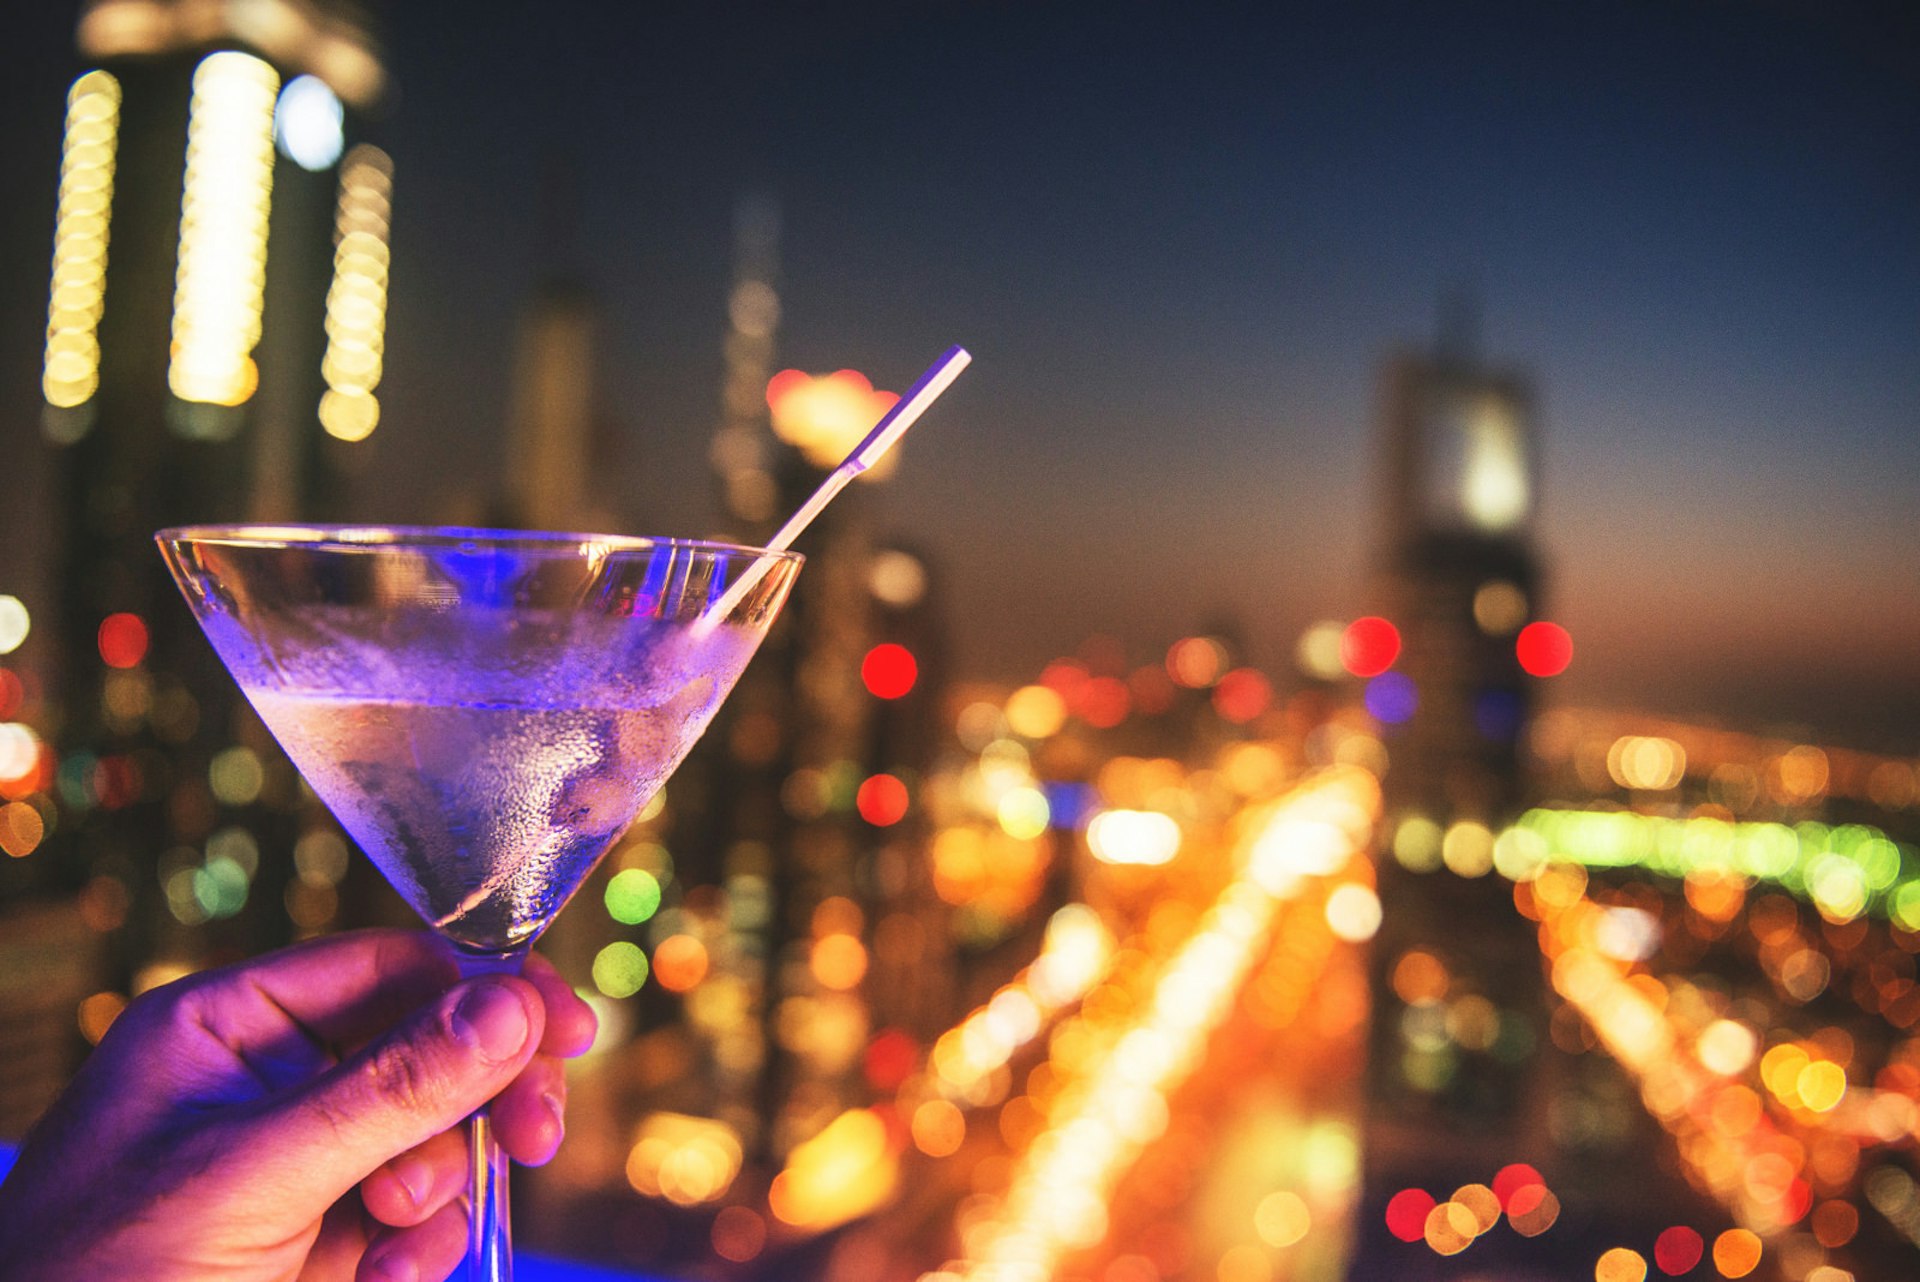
x=1480, y=1203
x=1318, y=651
x=1467, y=849
x=825, y=417
x=939, y=1128
x=1450, y=1228
x=843, y=1172
x=1620, y=1265
x=356, y=312
x=838, y=961
x=1499, y=608
x=77, y=294
x=1801, y=775
x=1036, y=712
x=1416, y=844
x=349, y=416
x=1244, y=1263
x=687, y=1160
x=1281, y=1219
x=221, y=277
x=1023, y=813
x=1646, y=763
x=1821, y=1085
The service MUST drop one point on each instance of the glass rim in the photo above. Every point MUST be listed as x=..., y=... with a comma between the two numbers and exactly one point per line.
x=376, y=538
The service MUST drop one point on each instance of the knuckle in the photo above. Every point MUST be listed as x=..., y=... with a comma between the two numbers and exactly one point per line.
x=397, y=1072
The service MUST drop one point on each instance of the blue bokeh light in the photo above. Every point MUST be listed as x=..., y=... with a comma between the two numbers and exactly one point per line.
x=1392, y=698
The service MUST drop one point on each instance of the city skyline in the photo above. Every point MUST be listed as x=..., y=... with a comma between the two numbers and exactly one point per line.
x=1181, y=249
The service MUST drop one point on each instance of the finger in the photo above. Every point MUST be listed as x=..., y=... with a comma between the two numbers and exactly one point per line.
x=327, y=1135
x=336, y=1252
x=419, y=1181
x=426, y=1252
x=329, y=992
x=529, y=1117
x=571, y=1023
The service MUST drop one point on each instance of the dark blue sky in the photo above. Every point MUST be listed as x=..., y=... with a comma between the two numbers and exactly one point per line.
x=1178, y=239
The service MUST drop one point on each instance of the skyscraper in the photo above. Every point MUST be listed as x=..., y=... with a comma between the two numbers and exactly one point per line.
x=1459, y=1015
x=214, y=344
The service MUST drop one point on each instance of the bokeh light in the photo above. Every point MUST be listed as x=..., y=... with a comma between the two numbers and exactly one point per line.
x=1620, y=1264
x=882, y=800
x=620, y=969
x=1407, y=1213
x=889, y=670
x=1678, y=1249
x=123, y=640
x=1544, y=649
x=632, y=896
x=1736, y=1252
x=1369, y=646
x=15, y=623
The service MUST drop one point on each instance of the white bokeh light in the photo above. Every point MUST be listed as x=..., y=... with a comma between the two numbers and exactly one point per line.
x=308, y=122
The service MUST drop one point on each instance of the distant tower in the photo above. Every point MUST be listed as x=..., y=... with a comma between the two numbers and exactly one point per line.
x=1459, y=1011
x=556, y=448
x=550, y=436
x=1459, y=576
x=215, y=341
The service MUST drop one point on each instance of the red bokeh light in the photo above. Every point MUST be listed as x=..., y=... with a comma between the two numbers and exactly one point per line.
x=889, y=670
x=1103, y=702
x=890, y=1058
x=1798, y=1201
x=1369, y=646
x=12, y=694
x=123, y=640
x=881, y=801
x=1407, y=1213
x=1677, y=1250
x=1544, y=649
x=1509, y=1180
x=1242, y=695
x=1152, y=689
x=1065, y=677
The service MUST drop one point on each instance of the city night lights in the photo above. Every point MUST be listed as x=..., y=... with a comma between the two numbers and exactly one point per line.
x=1374, y=735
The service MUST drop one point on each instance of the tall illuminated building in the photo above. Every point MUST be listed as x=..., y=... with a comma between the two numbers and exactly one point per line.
x=1459, y=579
x=792, y=839
x=1459, y=1015
x=215, y=344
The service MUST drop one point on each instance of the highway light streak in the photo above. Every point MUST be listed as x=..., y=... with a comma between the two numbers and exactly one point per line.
x=1058, y=1195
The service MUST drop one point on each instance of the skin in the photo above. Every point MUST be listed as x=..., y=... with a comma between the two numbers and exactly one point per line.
x=293, y=1117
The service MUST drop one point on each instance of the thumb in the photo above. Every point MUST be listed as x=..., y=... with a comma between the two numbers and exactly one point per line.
x=418, y=1080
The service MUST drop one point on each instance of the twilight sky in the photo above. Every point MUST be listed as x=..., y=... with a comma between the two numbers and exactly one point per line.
x=1178, y=239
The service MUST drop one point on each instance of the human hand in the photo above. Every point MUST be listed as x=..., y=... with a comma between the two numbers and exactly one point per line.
x=224, y=1122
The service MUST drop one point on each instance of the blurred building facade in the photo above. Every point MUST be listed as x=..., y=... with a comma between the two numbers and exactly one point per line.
x=215, y=344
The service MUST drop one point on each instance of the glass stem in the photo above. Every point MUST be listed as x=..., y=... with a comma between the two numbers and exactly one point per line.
x=489, y=1228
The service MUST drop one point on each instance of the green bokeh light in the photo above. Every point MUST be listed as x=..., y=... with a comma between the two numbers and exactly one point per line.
x=633, y=896
x=620, y=969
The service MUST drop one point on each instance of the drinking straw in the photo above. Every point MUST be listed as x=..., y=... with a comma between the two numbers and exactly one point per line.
x=868, y=452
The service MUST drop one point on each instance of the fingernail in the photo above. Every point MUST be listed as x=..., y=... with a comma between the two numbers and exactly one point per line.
x=416, y=1177
x=558, y=1108
x=492, y=1020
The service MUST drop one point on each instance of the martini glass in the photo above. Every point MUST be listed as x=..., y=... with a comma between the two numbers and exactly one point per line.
x=484, y=710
